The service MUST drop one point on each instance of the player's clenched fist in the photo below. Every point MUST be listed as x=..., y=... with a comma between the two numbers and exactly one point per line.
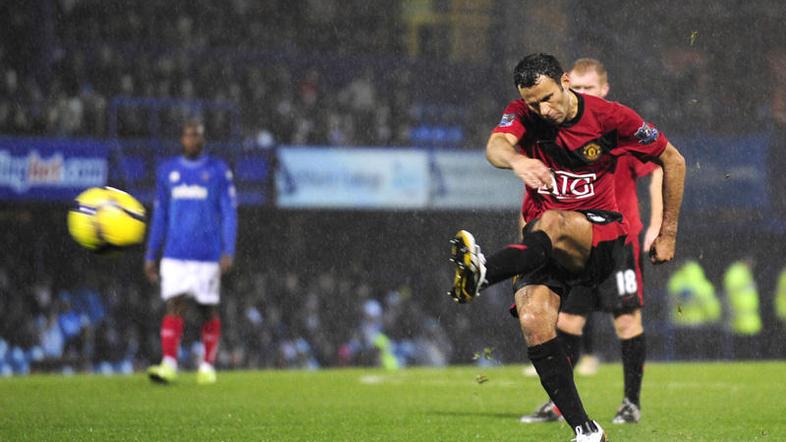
x=533, y=172
x=663, y=249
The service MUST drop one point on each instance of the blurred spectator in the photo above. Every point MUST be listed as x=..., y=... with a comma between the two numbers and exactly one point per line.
x=695, y=311
x=742, y=300
x=244, y=54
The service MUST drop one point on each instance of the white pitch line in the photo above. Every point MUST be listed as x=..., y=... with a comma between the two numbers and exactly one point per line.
x=399, y=380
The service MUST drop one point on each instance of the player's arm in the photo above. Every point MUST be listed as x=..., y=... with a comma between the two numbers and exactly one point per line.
x=673, y=165
x=501, y=152
x=649, y=144
x=228, y=204
x=157, y=235
x=656, y=207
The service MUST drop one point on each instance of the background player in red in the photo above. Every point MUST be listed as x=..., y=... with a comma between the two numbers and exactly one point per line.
x=564, y=146
x=589, y=76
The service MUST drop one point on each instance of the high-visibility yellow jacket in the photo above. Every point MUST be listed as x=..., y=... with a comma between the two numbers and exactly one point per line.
x=780, y=297
x=743, y=298
x=693, y=299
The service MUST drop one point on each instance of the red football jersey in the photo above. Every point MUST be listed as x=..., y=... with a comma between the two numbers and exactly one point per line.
x=629, y=168
x=582, y=152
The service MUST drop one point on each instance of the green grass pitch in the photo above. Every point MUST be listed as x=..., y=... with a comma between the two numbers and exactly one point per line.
x=693, y=402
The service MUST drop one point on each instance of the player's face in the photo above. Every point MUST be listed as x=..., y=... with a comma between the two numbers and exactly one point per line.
x=548, y=99
x=588, y=82
x=193, y=140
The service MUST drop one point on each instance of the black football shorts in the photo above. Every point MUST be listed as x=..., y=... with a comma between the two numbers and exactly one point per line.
x=610, y=281
x=613, y=295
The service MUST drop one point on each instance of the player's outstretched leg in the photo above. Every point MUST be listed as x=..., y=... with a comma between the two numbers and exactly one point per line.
x=171, y=331
x=474, y=272
x=565, y=232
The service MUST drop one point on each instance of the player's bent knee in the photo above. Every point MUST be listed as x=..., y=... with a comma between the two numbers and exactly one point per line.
x=537, y=308
x=536, y=327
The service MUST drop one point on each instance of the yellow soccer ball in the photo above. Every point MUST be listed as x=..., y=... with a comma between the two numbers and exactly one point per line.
x=105, y=218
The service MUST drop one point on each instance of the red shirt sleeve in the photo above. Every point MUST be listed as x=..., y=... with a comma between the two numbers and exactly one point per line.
x=512, y=121
x=641, y=168
x=634, y=135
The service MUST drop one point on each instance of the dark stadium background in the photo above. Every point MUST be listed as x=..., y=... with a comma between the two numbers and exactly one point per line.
x=423, y=76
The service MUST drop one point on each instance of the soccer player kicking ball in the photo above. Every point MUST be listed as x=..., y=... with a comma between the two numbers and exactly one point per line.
x=623, y=300
x=195, y=222
x=565, y=146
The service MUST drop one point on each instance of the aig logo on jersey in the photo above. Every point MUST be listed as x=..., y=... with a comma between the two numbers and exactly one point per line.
x=570, y=186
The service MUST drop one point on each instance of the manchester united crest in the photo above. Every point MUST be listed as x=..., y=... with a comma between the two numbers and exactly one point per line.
x=591, y=151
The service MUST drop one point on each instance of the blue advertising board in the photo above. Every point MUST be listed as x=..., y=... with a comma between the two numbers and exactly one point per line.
x=329, y=177
x=465, y=179
x=50, y=169
x=724, y=174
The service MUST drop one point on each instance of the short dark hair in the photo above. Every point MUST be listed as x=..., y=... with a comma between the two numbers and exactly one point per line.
x=192, y=123
x=533, y=66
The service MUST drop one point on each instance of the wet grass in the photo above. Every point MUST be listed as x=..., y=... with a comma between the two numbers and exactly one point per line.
x=697, y=402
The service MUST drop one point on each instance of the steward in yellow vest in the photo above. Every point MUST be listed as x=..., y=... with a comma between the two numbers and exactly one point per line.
x=693, y=299
x=743, y=297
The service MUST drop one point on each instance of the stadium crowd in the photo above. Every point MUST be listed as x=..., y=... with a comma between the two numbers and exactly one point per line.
x=104, y=326
x=292, y=87
x=289, y=304
x=67, y=310
x=327, y=86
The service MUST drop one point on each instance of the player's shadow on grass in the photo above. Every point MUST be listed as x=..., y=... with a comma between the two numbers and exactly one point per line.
x=476, y=414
